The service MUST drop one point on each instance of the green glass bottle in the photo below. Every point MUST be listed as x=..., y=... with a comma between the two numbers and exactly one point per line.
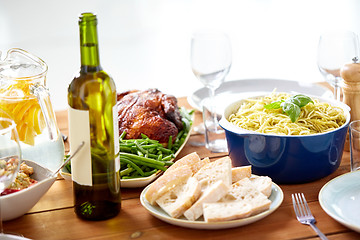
x=93, y=119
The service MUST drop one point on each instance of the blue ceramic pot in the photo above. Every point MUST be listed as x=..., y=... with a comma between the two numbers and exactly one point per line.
x=286, y=159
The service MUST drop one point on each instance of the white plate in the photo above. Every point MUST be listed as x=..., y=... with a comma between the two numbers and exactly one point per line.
x=234, y=90
x=340, y=199
x=137, y=182
x=276, y=198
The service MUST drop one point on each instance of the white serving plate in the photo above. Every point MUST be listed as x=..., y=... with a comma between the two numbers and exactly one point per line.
x=18, y=203
x=340, y=199
x=231, y=91
x=276, y=198
x=136, y=182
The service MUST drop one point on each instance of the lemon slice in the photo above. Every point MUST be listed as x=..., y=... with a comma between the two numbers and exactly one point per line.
x=24, y=109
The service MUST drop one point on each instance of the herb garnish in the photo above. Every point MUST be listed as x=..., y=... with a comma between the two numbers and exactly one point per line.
x=291, y=106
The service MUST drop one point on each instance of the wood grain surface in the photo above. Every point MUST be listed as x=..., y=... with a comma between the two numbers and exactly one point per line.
x=53, y=216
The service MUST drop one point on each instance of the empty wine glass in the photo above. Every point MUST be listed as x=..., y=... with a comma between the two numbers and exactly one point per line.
x=211, y=59
x=10, y=157
x=334, y=50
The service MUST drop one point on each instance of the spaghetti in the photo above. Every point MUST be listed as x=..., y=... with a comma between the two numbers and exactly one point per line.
x=317, y=117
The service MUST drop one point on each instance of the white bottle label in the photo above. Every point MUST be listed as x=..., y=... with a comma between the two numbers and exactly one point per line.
x=79, y=130
x=116, y=138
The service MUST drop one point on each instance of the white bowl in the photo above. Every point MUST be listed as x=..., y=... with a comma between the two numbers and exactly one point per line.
x=16, y=204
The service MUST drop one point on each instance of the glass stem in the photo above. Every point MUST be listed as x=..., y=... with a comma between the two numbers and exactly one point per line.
x=337, y=88
x=213, y=108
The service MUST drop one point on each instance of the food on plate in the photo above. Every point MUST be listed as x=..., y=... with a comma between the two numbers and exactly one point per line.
x=142, y=157
x=152, y=129
x=192, y=188
x=22, y=181
x=149, y=112
x=270, y=114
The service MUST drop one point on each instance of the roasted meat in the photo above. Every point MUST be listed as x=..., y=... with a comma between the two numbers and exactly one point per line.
x=148, y=112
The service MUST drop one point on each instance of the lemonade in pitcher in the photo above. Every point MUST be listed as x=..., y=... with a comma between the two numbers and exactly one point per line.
x=25, y=99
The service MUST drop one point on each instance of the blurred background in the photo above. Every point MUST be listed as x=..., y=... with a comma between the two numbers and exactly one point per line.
x=146, y=43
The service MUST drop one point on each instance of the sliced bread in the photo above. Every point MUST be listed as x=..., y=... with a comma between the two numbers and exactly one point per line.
x=226, y=211
x=176, y=201
x=192, y=160
x=213, y=194
x=263, y=184
x=244, y=190
x=215, y=171
x=167, y=182
x=204, y=161
x=239, y=173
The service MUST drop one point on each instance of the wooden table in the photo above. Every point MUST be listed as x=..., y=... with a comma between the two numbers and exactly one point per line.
x=53, y=216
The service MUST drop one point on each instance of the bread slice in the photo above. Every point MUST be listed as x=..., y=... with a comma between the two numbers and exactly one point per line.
x=213, y=194
x=192, y=160
x=244, y=190
x=215, y=171
x=204, y=161
x=167, y=182
x=263, y=184
x=239, y=173
x=178, y=200
x=226, y=211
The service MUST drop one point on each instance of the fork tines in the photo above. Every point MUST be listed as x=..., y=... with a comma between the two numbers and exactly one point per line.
x=300, y=204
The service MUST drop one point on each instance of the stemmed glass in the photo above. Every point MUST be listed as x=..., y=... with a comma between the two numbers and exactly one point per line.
x=334, y=50
x=211, y=59
x=10, y=157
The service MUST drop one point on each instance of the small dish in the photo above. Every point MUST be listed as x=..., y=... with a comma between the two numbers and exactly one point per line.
x=137, y=182
x=276, y=198
x=340, y=198
x=18, y=203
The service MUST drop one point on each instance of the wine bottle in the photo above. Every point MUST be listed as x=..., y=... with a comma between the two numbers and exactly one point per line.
x=93, y=119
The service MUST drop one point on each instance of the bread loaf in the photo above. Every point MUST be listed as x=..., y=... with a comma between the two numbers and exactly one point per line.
x=192, y=160
x=176, y=201
x=244, y=190
x=226, y=211
x=212, y=194
x=166, y=182
x=215, y=171
x=239, y=173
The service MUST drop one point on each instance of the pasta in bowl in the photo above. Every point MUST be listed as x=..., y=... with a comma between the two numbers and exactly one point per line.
x=288, y=151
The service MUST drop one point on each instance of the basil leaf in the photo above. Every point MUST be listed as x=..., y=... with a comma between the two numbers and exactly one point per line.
x=292, y=110
x=274, y=105
x=301, y=100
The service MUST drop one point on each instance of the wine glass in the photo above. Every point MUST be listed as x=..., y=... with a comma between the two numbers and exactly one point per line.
x=334, y=50
x=10, y=157
x=211, y=59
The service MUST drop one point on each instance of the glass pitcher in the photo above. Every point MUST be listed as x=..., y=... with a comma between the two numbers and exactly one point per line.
x=25, y=99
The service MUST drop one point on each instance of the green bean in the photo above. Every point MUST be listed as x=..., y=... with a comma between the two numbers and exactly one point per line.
x=165, y=150
x=126, y=171
x=142, y=159
x=139, y=147
x=168, y=163
x=122, y=135
x=138, y=162
x=133, y=165
x=168, y=158
x=150, y=172
x=170, y=142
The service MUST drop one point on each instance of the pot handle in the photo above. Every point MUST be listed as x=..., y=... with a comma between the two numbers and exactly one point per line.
x=43, y=97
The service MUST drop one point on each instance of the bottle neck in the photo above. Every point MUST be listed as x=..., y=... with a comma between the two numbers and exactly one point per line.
x=89, y=50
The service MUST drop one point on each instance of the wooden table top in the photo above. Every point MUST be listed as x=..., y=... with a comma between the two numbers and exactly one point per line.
x=53, y=216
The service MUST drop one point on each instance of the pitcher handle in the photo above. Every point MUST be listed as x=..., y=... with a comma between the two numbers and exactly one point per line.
x=43, y=97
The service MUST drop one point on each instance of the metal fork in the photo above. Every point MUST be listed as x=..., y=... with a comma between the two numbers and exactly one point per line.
x=303, y=213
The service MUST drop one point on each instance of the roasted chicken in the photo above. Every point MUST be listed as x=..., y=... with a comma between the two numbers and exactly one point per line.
x=148, y=112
